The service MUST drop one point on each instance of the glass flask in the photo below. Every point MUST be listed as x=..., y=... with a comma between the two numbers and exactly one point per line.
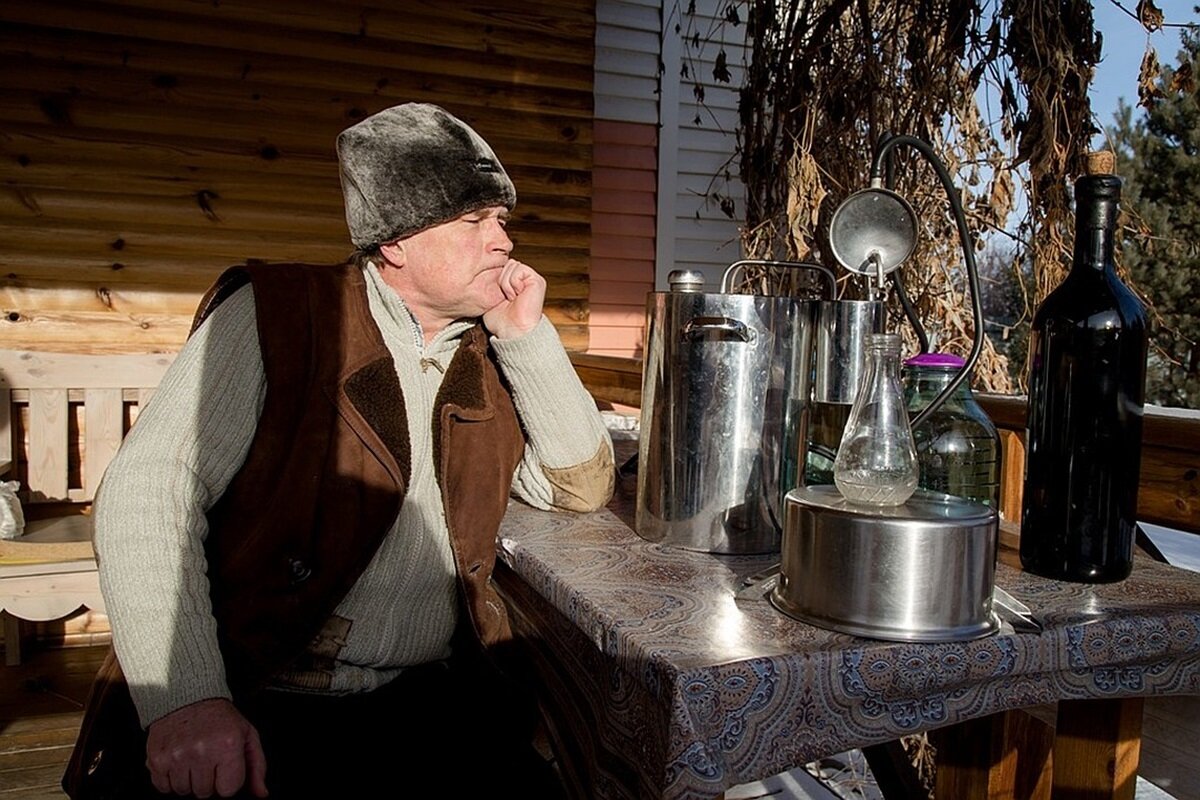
x=877, y=461
x=958, y=446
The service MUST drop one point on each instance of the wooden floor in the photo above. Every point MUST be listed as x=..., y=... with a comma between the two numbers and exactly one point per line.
x=41, y=704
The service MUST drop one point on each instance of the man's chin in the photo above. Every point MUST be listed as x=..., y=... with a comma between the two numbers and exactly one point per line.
x=488, y=303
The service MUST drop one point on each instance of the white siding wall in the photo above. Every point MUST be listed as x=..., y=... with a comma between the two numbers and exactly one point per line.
x=624, y=174
x=631, y=37
x=694, y=232
x=627, y=45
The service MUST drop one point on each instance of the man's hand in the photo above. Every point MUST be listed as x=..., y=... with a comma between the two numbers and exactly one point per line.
x=521, y=309
x=206, y=748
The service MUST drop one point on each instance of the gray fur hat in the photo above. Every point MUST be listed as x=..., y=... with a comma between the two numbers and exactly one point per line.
x=413, y=166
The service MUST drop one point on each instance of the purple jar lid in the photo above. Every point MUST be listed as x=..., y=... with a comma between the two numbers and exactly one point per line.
x=936, y=360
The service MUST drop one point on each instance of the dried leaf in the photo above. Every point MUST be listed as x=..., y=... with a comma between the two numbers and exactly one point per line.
x=1149, y=79
x=720, y=68
x=1001, y=196
x=1182, y=80
x=1149, y=15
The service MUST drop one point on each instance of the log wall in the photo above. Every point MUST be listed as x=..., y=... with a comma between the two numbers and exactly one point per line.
x=145, y=145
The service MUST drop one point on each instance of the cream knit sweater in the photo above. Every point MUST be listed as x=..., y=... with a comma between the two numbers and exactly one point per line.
x=191, y=440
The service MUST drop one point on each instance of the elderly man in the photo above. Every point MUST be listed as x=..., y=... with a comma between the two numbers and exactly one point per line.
x=296, y=540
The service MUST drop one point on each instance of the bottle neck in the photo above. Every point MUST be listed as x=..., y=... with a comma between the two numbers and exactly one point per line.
x=883, y=350
x=885, y=364
x=1097, y=203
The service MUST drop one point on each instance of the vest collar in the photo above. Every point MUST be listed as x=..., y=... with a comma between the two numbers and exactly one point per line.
x=464, y=392
x=369, y=397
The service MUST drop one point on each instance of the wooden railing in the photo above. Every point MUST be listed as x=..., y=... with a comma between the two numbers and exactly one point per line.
x=1170, y=473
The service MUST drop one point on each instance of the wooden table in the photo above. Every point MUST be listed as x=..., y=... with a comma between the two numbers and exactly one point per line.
x=657, y=682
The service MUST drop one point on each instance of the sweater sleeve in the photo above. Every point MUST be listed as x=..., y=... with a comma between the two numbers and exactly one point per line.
x=150, y=525
x=568, y=463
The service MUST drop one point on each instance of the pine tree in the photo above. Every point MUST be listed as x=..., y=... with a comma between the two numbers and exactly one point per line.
x=1158, y=154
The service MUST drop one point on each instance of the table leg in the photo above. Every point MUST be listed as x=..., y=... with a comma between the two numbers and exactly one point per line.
x=1003, y=756
x=12, y=639
x=1096, y=749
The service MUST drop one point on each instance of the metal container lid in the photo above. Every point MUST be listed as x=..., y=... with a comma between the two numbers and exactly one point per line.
x=923, y=506
x=686, y=280
x=922, y=571
x=936, y=360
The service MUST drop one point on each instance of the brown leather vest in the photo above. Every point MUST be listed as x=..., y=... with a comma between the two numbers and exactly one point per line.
x=330, y=461
x=324, y=480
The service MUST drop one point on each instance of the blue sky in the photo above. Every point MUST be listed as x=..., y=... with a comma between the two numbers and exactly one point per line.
x=1124, y=43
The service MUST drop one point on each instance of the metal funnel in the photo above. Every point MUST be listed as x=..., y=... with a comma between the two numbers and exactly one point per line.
x=873, y=231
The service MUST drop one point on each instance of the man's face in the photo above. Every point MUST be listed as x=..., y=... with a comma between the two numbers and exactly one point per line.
x=451, y=271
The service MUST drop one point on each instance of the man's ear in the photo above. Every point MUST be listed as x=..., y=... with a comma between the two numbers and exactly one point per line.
x=393, y=253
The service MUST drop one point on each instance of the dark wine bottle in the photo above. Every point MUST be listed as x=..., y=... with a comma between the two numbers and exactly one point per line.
x=1086, y=394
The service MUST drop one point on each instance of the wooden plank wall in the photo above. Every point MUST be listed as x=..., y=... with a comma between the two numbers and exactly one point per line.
x=145, y=145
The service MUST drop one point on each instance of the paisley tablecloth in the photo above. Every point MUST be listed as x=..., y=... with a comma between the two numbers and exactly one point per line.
x=670, y=687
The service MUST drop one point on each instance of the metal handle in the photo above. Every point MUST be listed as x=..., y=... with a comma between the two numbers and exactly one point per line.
x=824, y=271
x=702, y=327
x=1015, y=612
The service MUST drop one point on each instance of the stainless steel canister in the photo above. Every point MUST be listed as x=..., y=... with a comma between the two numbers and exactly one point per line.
x=841, y=337
x=842, y=330
x=726, y=380
x=920, y=572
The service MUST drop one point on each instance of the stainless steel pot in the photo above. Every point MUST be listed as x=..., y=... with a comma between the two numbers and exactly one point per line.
x=920, y=572
x=726, y=380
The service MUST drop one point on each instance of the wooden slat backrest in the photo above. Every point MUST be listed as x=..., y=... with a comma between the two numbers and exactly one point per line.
x=6, y=448
x=49, y=383
x=47, y=456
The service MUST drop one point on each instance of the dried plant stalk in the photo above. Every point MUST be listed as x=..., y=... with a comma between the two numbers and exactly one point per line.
x=828, y=79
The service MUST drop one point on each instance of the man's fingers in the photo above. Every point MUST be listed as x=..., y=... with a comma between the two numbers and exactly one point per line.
x=256, y=764
x=202, y=782
x=510, y=282
x=524, y=293
x=161, y=780
x=231, y=773
x=180, y=780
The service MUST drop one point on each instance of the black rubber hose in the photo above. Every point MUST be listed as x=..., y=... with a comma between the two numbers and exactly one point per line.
x=910, y=311
x=968, y=245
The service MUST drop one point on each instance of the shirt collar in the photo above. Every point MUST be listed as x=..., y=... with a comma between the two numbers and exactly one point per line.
x=389, y=308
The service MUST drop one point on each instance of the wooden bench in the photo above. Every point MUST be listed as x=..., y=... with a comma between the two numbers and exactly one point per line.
x=62, y=418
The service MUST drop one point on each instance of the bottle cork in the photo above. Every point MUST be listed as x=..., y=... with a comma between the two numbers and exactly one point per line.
x=1099, y=162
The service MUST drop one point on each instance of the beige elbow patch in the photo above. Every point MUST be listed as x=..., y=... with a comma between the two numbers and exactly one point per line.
x=586, y=486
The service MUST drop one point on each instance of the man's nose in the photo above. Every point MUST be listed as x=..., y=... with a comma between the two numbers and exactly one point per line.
x=500, y=239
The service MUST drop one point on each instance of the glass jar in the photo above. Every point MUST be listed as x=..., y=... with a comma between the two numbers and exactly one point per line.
x=876, y=461
x=958, y=447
